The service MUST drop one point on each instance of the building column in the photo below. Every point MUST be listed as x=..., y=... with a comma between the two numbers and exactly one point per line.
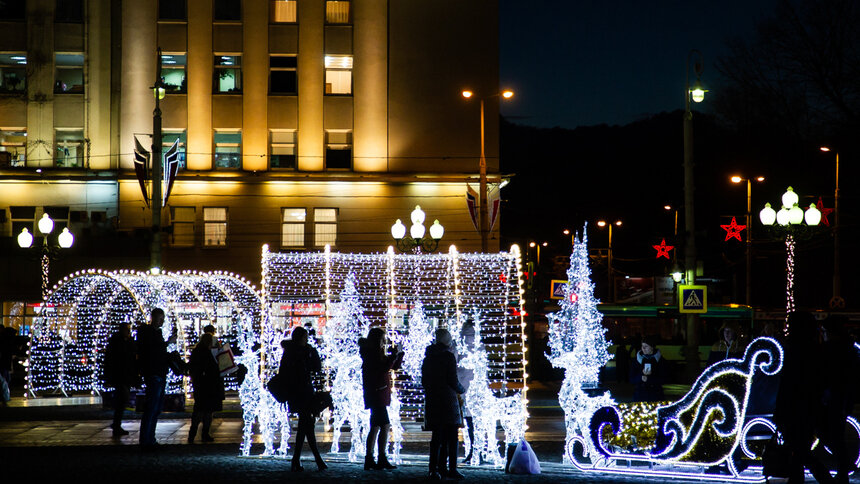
x=370, y=76
x=311, y=136
x=255, y=99
x=40, y=83
x=200, y=70
x=139, y=34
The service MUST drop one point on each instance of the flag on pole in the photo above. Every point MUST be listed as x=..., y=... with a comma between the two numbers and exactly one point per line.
x=141, y=163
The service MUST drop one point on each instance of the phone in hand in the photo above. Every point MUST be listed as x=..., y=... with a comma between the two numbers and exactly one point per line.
x=646, y=368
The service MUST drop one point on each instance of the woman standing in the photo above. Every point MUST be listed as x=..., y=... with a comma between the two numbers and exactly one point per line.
x=647, y=373
x=441, y=406
x=208, y=387
x=297, y=363
x=376, y=382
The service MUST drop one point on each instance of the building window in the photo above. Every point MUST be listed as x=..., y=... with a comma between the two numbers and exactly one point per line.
x=69, y=74
x=173, y=73
x=282, y=74
x=337, y=12
x=228, y=74
x=227, y=10
x=13, y=147
x=293, y=227
x=283, y=146
x=325, y=227
x=168, y=136
x=338, y=74
x=13, y=9
x=284, y=11
x=171, y=10
x=338, y=149
x=69, y=11
x=182, y=220
x=22, y=218
x=228, y=149
x=214, y=226
x=70, y=148
x=13, y=72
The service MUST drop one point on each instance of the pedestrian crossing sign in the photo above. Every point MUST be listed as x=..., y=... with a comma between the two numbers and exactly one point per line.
x=557, y=289
x=692, y=298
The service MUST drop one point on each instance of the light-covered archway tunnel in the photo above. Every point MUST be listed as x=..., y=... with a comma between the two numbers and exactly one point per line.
x=83, y=310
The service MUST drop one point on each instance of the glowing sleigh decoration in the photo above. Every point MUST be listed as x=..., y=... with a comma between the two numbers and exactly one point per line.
x=703, y=436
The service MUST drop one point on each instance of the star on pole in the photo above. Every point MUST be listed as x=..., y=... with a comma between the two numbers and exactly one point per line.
x=663, y=249
x=733, y=230
x=824, y=211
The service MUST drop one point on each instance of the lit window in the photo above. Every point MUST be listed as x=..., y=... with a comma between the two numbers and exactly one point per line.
x=69, y=74
x=337, y=12
x=338, y=149
x=171, y=10
x=283, y=149
x=338, y=74
x=284, y=11
x=293, y=227
x=325, y=227
x=13, y=72
x=168, y=136
x=214, y=226
x=227, y=10
x=70, y=148
x=282, y=74
x=173, y=73
x=228, y=74
x=13, y=147
x=69, y=11
x=182, y=219
x=228, y=149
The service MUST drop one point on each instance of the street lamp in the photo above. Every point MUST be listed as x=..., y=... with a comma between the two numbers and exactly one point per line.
x=48, y=252
x=836, y=301
x=789, y=220
x=484, y=220
x=739, y=179
x=602, y=224
x=416, y=241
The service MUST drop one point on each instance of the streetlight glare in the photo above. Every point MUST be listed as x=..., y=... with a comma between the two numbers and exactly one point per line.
x=824, y=149
x=544, y=244
x=531, y=244
x=467, y=94
x=601, y=223
x=667, y=207
x=759, y=178
x=737, y=179
x=698, y=94
x=618, y=223
x=507, y=94
x=566, y=232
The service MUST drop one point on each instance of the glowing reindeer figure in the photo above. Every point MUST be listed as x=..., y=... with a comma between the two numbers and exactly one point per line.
x=340, y=339
x=487, y=409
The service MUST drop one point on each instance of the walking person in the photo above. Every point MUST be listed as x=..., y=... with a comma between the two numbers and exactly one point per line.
x=376, y=369
x=799, y=397
x=441, y=405
x=208, y=386
x=7, y=350
x=153, y=361
x=648, y=372
x=297, y=363
x=465, y=376
x=120, y=369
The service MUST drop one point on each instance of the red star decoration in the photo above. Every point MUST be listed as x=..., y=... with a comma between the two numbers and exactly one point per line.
x=733, y=230
x=503, y=278
x=824, y=211
x=663, y=249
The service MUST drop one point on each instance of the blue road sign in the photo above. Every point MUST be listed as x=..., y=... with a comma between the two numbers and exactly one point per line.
x=692, y=298
x=556, y=290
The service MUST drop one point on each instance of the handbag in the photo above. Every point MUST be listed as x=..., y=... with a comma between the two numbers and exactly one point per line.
x=278, y=387
x=322, y=401
x=776, y=458
x=225, y=359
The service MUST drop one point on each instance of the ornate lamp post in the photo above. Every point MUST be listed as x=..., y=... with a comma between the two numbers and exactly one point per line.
x=739, y=179
x=789, y=221
x=417, y=241
x=48, y=251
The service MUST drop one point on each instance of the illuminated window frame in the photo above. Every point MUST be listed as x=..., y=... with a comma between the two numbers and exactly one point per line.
x=293, y=220
x=215, y=221
x=283, y=11
x=183, y=226
x=325, y=226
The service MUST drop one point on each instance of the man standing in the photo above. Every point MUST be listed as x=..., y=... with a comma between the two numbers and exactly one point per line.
x=154, y=363
x=120, y=373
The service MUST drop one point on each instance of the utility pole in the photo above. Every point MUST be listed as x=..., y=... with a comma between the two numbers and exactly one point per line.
x=157, y=167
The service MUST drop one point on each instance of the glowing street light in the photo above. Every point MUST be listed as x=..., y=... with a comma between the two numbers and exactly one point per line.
x=417, y=240
x=48, y=252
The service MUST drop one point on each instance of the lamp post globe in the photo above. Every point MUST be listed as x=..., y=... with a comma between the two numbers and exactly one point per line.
x=25, y=239
x=398, y=230
x=46, y=225
x=812, y=215
x=767, y=215
x=436, y=230
x=795, y=215
x=65, y=239
x=789, y=198
x=418, y=215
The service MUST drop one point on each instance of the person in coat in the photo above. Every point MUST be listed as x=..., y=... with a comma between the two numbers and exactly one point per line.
x=799, y=397
x=208, y=386
x=729, y=344
x=120, y=369
x=441, y=404
x=465, y=376
x=648, y=373
x=153, y=362
x=376, y=369
x=297, y=363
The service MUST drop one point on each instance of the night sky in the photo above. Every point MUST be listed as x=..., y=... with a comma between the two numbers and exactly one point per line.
x=589, y=62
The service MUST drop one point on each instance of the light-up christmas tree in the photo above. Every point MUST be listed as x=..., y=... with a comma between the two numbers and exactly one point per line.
x=578, y=344
x=341, y=336
x=415, y=345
